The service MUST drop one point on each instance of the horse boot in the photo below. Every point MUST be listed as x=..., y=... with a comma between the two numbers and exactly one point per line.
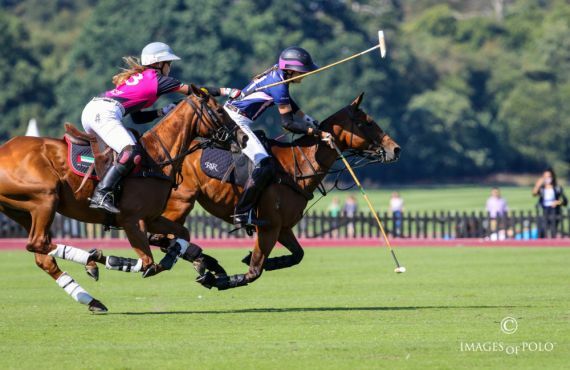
x=262, y=174
x=104, y=194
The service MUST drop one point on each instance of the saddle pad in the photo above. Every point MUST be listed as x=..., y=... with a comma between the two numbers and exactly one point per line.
x=216, y=162
x=79, y=158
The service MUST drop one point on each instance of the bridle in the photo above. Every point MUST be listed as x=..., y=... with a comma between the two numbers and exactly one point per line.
x=216, y=128
x=375, y=153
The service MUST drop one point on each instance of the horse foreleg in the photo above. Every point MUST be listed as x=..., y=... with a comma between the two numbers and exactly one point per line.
x=266, y=239
x=136, y=234
x=288, y=240
x=179, y=246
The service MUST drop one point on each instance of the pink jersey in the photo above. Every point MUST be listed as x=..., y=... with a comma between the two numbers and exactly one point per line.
x=141, y=90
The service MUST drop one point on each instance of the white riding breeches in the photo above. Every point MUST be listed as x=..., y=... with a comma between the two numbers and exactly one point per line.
x=254, y=150
x=102, y=117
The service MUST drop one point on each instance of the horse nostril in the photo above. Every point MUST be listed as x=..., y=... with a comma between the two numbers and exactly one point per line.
x=397, y=152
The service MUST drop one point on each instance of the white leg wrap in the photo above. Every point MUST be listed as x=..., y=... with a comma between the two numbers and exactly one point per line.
x=137, y=267
x=70, y=253
x=73, y=289
x=183, y=246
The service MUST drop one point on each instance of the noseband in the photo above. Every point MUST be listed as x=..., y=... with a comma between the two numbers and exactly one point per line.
x=375, y=152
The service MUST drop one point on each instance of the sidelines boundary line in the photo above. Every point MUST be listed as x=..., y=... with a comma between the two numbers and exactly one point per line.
x=20, y=243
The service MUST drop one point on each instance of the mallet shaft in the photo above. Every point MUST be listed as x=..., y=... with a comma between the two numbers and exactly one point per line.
x=381, y=44
x=369, y=204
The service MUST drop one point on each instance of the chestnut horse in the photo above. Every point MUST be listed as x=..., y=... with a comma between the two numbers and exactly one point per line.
x=36, y=182
x=307, y=160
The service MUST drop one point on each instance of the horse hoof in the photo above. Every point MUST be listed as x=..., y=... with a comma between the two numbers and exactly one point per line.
x=96, y=255
x=247, y=259
x=208, y=280
x=97, y=307
x=152, y=270
x=249, y=230
x=93, y=272
x=213, y=265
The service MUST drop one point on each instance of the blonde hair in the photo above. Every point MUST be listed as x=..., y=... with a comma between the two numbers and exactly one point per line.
x=134, y=67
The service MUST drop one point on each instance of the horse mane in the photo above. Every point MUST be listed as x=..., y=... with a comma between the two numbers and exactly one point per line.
x=308, y=140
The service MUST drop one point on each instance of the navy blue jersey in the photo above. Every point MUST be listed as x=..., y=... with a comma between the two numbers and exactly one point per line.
x=255, y=103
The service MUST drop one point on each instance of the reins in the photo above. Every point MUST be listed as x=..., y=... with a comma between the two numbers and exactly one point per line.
x=218, y=130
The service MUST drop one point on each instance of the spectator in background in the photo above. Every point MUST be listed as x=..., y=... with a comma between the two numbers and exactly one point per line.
x=334, y=212
x=349, y=210
x=496, y=205
x=497, y=208
x=397, y=209
x=551, y=199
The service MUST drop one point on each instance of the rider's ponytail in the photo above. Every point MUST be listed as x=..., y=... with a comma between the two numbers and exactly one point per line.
x=269, y=70
x=134, y=67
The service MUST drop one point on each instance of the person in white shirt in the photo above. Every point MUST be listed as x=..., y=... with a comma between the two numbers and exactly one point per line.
x=551, y=199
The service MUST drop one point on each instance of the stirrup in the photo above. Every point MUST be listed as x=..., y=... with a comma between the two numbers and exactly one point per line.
x=248, y=219
x=102, y=204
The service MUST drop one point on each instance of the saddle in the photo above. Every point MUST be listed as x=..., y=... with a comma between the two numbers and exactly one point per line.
x=229, y=165
x=84, y=155
x=86, y=158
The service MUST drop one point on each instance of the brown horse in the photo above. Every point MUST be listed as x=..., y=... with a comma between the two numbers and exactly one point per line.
x=307, y=160
x=36, y=182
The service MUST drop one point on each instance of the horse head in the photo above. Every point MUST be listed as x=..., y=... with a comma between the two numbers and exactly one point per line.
x=355, y=130
x=212, y=120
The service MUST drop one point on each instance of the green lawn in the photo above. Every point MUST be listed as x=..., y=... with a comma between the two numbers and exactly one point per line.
x=444, y=198
x=342, y=308
x=420, y=199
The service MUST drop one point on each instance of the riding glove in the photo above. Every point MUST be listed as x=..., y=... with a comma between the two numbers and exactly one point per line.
x=311, y=122
x=230, y=92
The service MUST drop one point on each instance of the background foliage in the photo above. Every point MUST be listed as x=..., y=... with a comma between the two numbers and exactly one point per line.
x=468, y=88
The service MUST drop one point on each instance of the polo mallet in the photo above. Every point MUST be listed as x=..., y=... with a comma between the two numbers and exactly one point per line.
x=381, y=45
x=399, y=269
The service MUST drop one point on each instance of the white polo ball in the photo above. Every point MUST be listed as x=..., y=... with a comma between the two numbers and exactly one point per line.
x=400, y=269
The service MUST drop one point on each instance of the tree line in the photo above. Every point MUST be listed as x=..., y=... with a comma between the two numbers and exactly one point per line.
x=466, y=90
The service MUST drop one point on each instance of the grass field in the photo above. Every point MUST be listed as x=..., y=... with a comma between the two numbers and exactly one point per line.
x=419, y=199
x=342, y=308
x=444, y=198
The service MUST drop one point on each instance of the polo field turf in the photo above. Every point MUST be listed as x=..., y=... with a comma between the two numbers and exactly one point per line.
x=341, y=308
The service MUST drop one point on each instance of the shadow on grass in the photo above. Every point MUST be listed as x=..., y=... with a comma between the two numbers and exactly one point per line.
x=310, y=309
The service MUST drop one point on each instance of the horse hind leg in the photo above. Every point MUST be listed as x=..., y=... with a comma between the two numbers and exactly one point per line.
x=68, y=284
x=49, y=265
x=289, y=241
x=172, y=238
x=193, y=254
x=266, y=239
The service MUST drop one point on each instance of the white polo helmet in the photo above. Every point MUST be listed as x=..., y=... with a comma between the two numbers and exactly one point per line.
x=157, y=52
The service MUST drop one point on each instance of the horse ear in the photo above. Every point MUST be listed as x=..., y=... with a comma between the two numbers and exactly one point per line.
x=356, y=103
x=197, y=91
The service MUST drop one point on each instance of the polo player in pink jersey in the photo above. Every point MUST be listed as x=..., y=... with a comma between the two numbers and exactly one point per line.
x=136, y=88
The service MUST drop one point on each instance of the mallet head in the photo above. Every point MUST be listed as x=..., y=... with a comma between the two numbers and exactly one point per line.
x=382, y=43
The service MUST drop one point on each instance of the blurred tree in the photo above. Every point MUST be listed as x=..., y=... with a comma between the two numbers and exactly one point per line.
x=468, y=88
x=23, y=93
